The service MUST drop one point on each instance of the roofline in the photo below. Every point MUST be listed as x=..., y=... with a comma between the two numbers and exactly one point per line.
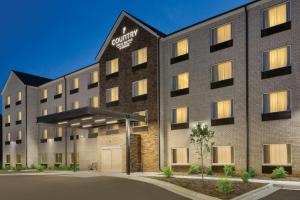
x=6, y=82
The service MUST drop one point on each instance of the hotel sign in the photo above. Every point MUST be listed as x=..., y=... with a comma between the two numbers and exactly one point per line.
x=124, y=40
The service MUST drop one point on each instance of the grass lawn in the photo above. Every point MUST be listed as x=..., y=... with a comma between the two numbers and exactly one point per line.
x=209, y=186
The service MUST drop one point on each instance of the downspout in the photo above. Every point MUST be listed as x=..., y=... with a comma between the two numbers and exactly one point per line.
x=247, y=91
x=26, y=126
x=158, y=102
x=66, y=131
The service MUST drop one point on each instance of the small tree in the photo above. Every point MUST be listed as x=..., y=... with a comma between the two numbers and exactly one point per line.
x=201, y=137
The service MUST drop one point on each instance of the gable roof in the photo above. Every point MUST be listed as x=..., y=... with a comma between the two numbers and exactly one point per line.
x=32, y=80
x=146, y=26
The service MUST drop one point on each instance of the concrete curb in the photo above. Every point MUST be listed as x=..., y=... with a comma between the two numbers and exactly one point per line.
x=258, y=193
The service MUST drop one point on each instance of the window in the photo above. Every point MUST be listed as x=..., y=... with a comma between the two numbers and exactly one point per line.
x=95, y=130
x=59, y=132
x=180, y=115
x=222, y=109
x=112, y=66
x=45, y=112
x=139, y=56
x=75, y=83
x=19, y=97
x=112, y=94
x=139, y=87
x=58, y=158
x=45, y=94
x=222, y=71
x=8, y=137
x=8, y=119
x=276, y=102
x=45, y=134
x=223, y=155
x=19, y=116
x=276, y=58
x=44, y=158
x=18, y=159
x=8, y=100
x=112, y=127
x=181, y=81
x=277, y=154
x=142, y=113
x=180, y=155
x=7, y=158
x=19, y=137
x=75, y=105
x=180, y=48
x=72, y=157
x=277, y=15
x=59, y=108
x=59, y=89
x=221, y=34
x=94, y=77
x=94, y=101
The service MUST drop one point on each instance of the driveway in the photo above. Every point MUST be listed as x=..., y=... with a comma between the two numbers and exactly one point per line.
x=284, y=194
x=75, y=188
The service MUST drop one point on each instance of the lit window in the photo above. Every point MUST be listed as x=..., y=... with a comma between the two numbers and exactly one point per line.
x=180, y=115
x=45, y=112
x=45, y=134
x=222, y=71
x=221, y=34
x=112, y=66
x=222, y=109
x=59, y=89
x=277, y=154
x=45, y=93
x=94, y=77
x=8, y=100
x=112, y=94
x=276, y=102
x=140, y=123
x=18, y=159
x=223, y=155
x=75, y=105
x=180, y=48
x=112, y=127
x=8, y=120
x=59, y=109
x=94, y=101
x=139, y=56
x=58, y=158
x=19, y=116
x=95, y=130
x=8, y=158
x=44, y=158
x=181, y=81
x=8, y=137
x=139, y=87
x=19, y=98
x=276, y=58
x=180, y=156
x=276, y=15
x=72, y=157
x=75, y=83
x=59, y=132
x=19, y=137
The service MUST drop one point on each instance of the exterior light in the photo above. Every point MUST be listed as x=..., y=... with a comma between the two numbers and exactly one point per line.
x=99, y=120
x=75, y=124
x=112, y=122
x=87, y=126
x=61, y=123
x=87, y=118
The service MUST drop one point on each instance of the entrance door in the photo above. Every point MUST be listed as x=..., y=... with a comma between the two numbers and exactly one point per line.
x=111, y=159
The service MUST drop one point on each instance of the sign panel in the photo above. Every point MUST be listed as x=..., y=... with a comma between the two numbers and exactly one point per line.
x=124, y=40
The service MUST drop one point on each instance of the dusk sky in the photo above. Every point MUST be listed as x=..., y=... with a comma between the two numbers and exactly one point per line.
x=54, y=37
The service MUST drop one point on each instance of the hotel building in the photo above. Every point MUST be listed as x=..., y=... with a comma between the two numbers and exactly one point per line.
x=235, y=72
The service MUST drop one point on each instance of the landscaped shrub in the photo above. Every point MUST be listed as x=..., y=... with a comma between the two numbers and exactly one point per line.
x=279, y=172
x=224, y=186
x=167, y=171
x=19, y=167
x=209, y=171
x=245, y=176
x=40, y=168
x=194, y=169
x=229, y=170
x=7, y=167
x=252, y=172
x=33, y=166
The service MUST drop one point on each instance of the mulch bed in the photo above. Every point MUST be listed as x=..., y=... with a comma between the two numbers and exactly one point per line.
x=209, y=186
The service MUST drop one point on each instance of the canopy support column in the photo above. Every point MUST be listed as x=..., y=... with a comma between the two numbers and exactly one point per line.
x=74, y=134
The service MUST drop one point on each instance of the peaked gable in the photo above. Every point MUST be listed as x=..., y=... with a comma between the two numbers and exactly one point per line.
x=127, y=35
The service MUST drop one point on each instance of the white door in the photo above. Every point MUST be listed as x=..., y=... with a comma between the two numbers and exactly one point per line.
x=111, y=159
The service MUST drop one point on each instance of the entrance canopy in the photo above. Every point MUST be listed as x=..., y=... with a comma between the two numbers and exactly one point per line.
x=88, y=117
